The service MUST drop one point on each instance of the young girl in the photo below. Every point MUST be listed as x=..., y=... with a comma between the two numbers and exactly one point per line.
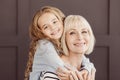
x=78, y=39
x=45, y=31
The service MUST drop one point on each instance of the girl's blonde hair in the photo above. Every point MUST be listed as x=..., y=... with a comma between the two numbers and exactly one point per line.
x=70, y=22
x=36, y=34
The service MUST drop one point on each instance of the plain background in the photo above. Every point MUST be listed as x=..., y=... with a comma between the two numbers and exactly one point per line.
x=16, y=15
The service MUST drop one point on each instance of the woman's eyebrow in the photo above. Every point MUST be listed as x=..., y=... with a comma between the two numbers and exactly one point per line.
x=72, y=30
x=84, y=29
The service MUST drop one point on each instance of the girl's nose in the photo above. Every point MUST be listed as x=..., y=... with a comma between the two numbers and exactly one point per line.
x=52, y=27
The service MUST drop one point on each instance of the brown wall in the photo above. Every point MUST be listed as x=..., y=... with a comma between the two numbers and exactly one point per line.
x=103, y=15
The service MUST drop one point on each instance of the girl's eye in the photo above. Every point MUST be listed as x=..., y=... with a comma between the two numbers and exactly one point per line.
x=45, y=27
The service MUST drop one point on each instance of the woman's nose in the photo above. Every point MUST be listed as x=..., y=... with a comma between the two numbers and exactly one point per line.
x=79, y=36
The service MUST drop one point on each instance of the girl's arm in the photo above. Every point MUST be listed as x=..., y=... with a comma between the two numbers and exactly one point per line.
x=87, y=64
x=34, y=75
x=45, y=59
x=87, y=71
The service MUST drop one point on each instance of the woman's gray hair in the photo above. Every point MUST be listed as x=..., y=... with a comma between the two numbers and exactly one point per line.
x=72, y=21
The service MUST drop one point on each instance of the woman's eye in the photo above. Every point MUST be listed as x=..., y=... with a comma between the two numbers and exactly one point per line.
x=54, y=22
x=84, y=32
x=71, y=33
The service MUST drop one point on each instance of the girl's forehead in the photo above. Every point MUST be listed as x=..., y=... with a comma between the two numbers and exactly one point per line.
x=49, y=15
x=46, y=17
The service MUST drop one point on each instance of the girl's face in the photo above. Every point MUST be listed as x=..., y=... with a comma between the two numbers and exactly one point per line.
x=77, y=39
x=51, y=26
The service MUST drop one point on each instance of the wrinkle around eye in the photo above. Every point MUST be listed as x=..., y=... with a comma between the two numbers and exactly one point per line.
x=54, y=21
x=84, y=31
x=71, y=33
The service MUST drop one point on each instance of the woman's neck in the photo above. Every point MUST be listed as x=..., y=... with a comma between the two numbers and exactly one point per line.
x=73, y=60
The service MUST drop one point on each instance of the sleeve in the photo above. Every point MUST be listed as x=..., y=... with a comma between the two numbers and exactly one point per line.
x=34, y=76
x=87, y=64
x=46, y=57
x=49, y=76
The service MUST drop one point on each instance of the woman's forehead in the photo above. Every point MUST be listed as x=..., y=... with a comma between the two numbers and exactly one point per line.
x=78, y=27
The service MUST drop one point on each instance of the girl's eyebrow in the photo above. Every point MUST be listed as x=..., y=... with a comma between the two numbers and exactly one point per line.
x=44, y=25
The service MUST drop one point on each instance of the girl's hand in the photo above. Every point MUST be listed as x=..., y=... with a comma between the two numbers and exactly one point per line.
x=84, y=74
x=75, y=75
x=63, y=74
x=91, y=76
x=69, y=74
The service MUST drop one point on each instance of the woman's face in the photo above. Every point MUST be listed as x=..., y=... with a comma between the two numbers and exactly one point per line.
x=51, y=26
x=77, y=40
